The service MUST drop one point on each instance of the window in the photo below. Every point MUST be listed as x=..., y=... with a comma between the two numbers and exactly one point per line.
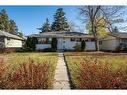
x=63, y=41
x=1, y=39
x=47, y=40
x=92, y=39
x=124, y=40
x=44, y=40
x=8, y=38
x=86, y=40
x=78, y=39
x=72, y=39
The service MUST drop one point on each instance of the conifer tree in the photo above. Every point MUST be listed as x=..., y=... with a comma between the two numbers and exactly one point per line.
x=13, y=28
x=7, y=24
x=60, y=23
x=46, y=27
x=4, y=21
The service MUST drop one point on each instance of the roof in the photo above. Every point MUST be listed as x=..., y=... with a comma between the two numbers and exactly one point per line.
x=6, y=34
x=119, y=34
x=62, y=34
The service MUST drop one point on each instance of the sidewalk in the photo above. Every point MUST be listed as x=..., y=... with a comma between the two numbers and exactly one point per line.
x=61, y=76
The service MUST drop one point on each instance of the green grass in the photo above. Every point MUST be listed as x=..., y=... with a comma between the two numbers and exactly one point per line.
x=14, y=60
x=116, y=62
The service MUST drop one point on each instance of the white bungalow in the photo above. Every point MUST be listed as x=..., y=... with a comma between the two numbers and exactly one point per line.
x=8, y=40
x=65, y=40
x=113, y=40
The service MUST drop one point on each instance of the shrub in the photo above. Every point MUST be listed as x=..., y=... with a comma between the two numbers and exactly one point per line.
x=30, y=75
x=2, y=50
x=31, y=43
x=96, y=75
x=121, y=47
x=54, y=44
x=83, y=45
x=125, y=49
x=48, y=50
x=118, y=48
x=77, y=47
x=3, y=70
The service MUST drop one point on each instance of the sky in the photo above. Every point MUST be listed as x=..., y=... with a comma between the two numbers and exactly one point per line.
x=29, y=18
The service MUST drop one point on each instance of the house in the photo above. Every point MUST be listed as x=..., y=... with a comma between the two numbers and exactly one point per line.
x=113, y=40
x=10, y=41
x=65, y=40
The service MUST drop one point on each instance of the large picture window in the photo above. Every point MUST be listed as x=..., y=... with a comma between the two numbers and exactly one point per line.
x=78, y=40
x=44, y=40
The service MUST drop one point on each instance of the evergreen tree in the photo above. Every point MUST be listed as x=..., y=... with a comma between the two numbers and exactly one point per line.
x=4, y=21
x=83, y=45
x=31, y=43
x=46, y=27
x=20, y=34
x=7, y=24
x=13, y=28
x=54, y=44
x=60, y=23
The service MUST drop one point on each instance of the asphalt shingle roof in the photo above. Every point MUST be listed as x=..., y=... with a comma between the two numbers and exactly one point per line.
x=62, y=34
x=6, y=34
x=119, y=34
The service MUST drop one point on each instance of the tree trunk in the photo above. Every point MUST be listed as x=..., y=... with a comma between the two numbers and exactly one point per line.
x=96, y=44
x=96, y=38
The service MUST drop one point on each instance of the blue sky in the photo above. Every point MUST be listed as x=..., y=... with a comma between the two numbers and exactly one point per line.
x=29, y=18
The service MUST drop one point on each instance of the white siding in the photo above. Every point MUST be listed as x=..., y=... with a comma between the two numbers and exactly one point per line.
x=90, y=46
x=42, y=46
x=65, y=43
x=12, y=43
x=110, y=43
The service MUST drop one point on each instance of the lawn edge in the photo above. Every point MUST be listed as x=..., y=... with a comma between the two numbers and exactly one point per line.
x=72, y=85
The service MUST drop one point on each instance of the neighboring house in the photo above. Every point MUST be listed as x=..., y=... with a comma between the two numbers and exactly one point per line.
x=8, y=40
x=113, y=40
x=65, y=40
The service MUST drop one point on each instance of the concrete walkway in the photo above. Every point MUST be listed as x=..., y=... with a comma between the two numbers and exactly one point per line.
x=61, y=80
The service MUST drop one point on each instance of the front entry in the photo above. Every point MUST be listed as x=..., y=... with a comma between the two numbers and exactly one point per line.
x=61, y=44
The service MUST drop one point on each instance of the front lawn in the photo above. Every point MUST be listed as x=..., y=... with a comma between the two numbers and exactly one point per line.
x=27, y=70
x=97, y=70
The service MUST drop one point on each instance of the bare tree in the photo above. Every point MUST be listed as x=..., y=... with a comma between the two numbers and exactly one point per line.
x=73, y=27
x=95, y=14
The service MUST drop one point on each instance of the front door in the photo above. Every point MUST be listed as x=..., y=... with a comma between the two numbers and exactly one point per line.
x=61, y=44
